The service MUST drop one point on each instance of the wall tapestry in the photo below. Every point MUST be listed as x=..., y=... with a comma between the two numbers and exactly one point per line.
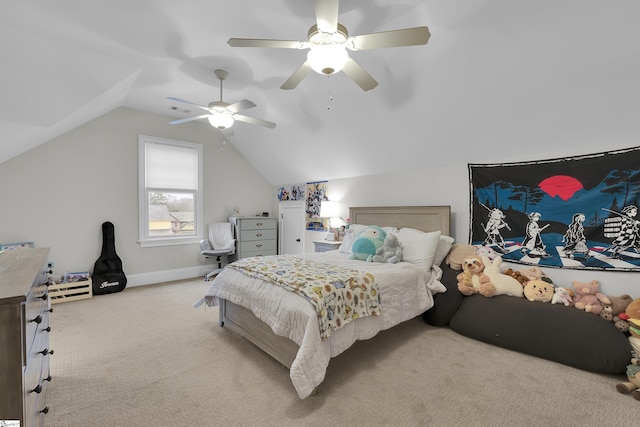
x=575, y=212
x=315, y=194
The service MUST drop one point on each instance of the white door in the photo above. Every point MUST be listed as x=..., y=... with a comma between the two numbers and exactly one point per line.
x=291, y=239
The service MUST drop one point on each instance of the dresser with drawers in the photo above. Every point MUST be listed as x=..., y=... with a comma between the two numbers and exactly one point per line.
x=255, y=236
x=24, y=335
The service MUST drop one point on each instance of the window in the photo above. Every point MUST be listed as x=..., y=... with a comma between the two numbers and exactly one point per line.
x=170, y=191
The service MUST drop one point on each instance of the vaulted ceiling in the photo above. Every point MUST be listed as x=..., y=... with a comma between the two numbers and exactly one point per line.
x=497, y=77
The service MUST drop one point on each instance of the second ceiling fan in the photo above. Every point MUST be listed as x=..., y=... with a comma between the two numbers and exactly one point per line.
x=328, y=41
x=221, y=114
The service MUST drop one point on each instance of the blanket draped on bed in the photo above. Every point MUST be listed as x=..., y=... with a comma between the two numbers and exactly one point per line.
x=339, y=294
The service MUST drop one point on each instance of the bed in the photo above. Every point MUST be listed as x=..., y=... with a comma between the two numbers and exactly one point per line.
x=285, y=325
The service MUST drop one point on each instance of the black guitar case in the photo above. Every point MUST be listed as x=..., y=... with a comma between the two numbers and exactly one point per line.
x=108, y=276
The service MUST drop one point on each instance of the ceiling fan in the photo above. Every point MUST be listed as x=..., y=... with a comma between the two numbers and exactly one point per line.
x=327, y=41
x=221, y=114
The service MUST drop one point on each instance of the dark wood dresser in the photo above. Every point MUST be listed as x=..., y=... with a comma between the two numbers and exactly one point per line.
x=24, y=335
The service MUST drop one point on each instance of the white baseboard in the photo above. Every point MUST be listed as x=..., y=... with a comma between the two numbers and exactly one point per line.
x=154, y=277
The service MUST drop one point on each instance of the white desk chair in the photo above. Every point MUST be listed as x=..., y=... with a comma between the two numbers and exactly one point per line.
x=219, y=243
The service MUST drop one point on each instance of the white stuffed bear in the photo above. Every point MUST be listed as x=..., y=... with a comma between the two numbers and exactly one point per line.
x=562, y=296
x=390, y=251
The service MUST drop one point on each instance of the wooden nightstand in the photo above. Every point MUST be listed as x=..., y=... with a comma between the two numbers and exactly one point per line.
x=325, y=245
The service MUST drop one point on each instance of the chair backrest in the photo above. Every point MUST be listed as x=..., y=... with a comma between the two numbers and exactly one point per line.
x=221, y=235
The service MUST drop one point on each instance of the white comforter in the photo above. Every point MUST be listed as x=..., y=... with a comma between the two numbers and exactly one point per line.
x=405, y=292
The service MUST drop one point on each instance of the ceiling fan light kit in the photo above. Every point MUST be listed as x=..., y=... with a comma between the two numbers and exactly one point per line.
x=328, y=41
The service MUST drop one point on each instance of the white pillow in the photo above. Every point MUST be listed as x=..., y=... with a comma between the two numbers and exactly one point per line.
x=444, y=246
x=418, y=247
x=352, y=233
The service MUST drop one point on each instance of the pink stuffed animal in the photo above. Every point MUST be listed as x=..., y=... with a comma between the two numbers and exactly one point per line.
x=588, y=297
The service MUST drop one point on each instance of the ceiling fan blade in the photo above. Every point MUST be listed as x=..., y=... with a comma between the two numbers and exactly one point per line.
x=297, y=76
x=395, y=38
x=254, y=121
x=327, y=15
x=189, y=102
x=245, y=104
x=177, y=122
x=282, y=44
x=359, y=75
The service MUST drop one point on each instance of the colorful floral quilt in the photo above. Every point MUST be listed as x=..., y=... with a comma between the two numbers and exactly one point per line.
x=339, y=294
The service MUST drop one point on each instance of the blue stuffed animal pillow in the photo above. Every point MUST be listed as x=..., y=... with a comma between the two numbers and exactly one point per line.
x=366, y=244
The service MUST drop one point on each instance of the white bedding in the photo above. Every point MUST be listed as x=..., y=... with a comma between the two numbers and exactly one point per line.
x=406, y=291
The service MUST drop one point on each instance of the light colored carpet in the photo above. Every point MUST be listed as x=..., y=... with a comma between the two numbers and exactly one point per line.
x=146, y=357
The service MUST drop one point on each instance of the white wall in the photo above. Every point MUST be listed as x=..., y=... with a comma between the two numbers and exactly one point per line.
x=449, y=185
x=60, y=193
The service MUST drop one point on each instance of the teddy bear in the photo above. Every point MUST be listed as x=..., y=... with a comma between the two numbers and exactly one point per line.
x=504, y=285
x=562, y=295
x=472, y=280
x=521, y=278
x=588, y=297
x=538, y=290
x=458, y=253
x=367, y=242
x=633, y=376
x=390, y=251
x=611, y=312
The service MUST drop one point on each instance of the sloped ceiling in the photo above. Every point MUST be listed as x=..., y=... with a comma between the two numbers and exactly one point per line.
x=497, y=78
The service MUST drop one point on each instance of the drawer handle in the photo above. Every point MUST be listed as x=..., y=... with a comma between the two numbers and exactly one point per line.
x=38, y=389
x=50, y=310
x=259, y=224
x=45, y=410
x=47, y=379
x=47, y=329
x=38, y=319
x=45, y=352
x=44, y=297
x=258, y=234
x=259, y=245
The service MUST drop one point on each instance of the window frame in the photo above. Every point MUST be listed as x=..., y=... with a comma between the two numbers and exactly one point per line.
x=144, y=239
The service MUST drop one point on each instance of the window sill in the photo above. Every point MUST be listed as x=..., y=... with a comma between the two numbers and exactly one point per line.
x=170, y=241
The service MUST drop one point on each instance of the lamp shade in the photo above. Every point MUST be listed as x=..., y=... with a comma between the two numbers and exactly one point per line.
x=329, y=209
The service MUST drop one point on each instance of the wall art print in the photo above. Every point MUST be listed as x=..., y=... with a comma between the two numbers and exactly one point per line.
x=291, y=193
x=316, y=192
x=576, y=212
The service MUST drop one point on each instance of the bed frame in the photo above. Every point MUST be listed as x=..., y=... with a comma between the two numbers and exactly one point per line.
x=243, y=321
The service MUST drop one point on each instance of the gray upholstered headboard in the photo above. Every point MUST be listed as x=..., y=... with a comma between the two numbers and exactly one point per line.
x=425, y=218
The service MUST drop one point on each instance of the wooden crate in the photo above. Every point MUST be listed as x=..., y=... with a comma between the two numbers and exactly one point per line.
x=65, y=292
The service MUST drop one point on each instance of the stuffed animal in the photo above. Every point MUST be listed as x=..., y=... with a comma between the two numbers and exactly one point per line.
x=538, y=290
x=505, y=285
x=521, y=278
x=390, y=251
x=483, y=251
x=562, y=296
x=535, y=273
x=632, y=316
x=472, y=280
x=458, y=253
x=367, y=242
x=633, y=376
x=611, y=312
x=588, y=297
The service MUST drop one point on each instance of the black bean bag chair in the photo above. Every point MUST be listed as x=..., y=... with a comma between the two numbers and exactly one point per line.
x=551, y=331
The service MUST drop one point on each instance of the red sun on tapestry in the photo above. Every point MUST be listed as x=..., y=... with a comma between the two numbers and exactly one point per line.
x=562, y=186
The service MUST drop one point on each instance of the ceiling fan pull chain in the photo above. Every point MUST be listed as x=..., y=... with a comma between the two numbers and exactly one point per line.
x=329, y=94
